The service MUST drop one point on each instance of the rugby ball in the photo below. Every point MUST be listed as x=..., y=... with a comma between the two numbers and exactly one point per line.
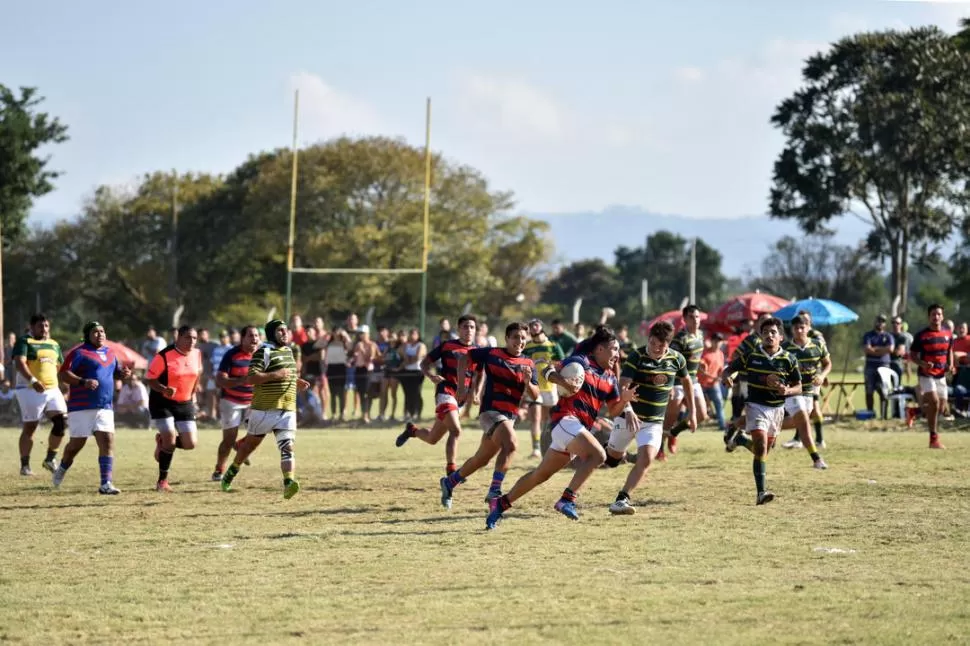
x=569, y=371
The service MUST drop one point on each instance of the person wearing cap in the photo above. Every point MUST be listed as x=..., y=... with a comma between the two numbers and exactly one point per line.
x=542, y=350
x=90, y=370
x=172, y=378
x=878, y=346
x=274, y=375
x=37, y=357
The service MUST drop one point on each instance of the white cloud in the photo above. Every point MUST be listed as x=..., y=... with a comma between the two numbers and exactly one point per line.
x=689, y=74
x=327, y=112
x=513, y=106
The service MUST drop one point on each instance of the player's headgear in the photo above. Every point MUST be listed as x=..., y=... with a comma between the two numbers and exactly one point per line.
x=271, y=328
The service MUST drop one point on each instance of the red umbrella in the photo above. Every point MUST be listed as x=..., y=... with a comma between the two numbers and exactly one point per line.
x=126, y=356
x=674, y=317
x=744, y=308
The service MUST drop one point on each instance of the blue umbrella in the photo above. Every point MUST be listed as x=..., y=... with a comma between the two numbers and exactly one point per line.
x=824, y=312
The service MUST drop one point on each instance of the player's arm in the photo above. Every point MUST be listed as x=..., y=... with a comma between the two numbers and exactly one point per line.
x=531, y=374
x=793, y=381
x=569, y=387
x=734, y=367
x=223, y=380
x=825, y=367
x=155, y=370
x=620, y=399
x=67, y=373
x=20, y=362
x=951, y=365
x=461, y=369
x=688, y=385
x=257, y=370
x=427, y=362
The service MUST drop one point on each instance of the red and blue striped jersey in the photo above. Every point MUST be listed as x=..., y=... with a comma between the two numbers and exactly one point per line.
x=599, y=388
x=448, y=353
x=933, y=346
x=504, y=379
x=235, y=363
x=88, y=362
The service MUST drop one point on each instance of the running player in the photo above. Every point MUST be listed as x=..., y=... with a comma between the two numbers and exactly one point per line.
x=814, y=365
x=542, y=350
x=739, y=392
x=932, y=352
x=653, y=370
x=447, y=383
x=173, y=377
x=232, y=375
x=275, y=379
x=573, y=419
x=37, y=358
x=772, y=375
x=688, y=342
x=90, y=370
x=508, y=375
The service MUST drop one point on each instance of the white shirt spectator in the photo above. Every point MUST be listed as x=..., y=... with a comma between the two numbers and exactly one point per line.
x=133, y=394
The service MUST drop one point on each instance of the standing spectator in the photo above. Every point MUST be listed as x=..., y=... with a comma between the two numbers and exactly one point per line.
x=297, y=330
x=322, y=387
x=564, y=339
x=709, y=376
x=152, y=345
x=208, y=396
x=444, y=333
x=901, y=343
x=486, y=340
x=364, y=353
x=378, y=383
x=235, y=337
x=310, y=353
x=878, y=345
x=393, y=362
x=335, y=357
x=352, y=324
x=132, y=402
x=580, y=331
x=412, y=378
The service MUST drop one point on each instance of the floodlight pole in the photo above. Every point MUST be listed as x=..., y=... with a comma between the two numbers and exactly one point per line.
x=427, y=209
x=289, y=245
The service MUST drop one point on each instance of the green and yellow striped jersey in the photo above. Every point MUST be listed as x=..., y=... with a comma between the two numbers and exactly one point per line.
x=546, y=351
x=809, y=357
x=654, y=379
x=692, y=347
x=43, y=359
x=274, y=395
x=761, y=369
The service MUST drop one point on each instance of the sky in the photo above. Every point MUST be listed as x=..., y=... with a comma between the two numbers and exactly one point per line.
x=663, y=106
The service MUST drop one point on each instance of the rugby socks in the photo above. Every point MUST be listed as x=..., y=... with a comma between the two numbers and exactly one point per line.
x=818, y=431
x=50, y=455
x=504, y=502
x=622, y=496
x=497, y=478
x=66, y=464
x=537, y=441
x=450, y=468
x=760, y=469
x=106, y=466
x=287, y=477
x=178, y=442
x=164, y=464
x=454, y=479
x=743, y=440
x=24, y=461
x=679, y=428
x=568, y=495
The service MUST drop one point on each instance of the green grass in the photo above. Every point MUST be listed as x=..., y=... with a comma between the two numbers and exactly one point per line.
x=365, y=554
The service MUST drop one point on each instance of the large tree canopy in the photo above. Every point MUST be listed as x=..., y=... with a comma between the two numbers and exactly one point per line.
x=24, y=174
x=881, y=129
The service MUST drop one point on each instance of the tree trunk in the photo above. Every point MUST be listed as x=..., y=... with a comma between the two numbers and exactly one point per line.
x=904, y=271
x=894, y=268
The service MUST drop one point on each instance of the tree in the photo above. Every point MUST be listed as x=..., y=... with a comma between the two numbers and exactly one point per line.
x=664, y=261
x=817, y=267
x=597, y=283
x=23, y=173
x=880, y=125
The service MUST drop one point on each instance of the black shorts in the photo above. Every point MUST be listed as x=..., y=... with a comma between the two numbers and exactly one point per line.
x=161, y=408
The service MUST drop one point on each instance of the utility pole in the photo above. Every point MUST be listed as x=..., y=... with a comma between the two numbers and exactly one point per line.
x=693, y=271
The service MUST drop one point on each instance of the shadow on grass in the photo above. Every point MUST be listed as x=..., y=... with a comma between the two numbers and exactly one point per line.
x=75, y=505
x=299, y=513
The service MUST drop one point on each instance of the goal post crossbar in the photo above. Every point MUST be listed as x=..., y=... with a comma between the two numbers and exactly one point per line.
x=340, y=270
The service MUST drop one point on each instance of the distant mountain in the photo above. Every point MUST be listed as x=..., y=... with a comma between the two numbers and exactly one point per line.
x=743, y=241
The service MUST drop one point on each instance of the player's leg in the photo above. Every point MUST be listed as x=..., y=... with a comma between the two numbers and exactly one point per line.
x=230, y=416
x=931, y=409
x=800, y=410
x=649, y=438
x=165, y=443
x=82, y=427
x=552, y=462
x=535, y=425
x=700, y=404
x=504, y=435
x=285, y=438
x=26, y=446
x=817, y=421
x=671, y=416
x=56, y=411
x=488, y=448
x=759, y=440
x=104, y=435
x=591, y=455
x=258, y=425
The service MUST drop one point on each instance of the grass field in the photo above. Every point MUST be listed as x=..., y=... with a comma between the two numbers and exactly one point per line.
x=875, y=550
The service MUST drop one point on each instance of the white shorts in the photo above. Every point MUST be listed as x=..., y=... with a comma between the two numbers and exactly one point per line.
x=490, y=419
x=547, y=399
x=677, y=392
x=650, y=434
x=934, y=384
x=796, y=403
x=33, y=405
x=278, y=421
x=564, y=432
x=83, y=423
x=764, y=418
x=232, y=414
x=169, y=425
